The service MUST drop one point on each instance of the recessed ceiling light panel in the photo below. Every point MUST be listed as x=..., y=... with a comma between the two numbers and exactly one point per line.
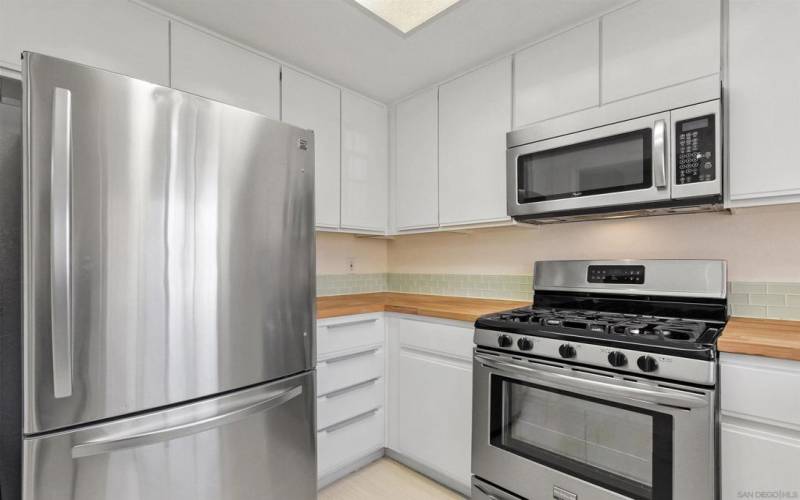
x=406, y=15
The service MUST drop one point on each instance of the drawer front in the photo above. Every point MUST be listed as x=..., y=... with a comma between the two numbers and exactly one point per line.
x=338, y=373
x=756, y=461
x=760, y=388
x=344, y=443
x=336, y=407
x=348, y=333
x=451, y=339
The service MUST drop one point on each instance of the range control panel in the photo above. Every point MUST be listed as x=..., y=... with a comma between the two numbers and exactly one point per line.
x=694, y=150
x=616, y=274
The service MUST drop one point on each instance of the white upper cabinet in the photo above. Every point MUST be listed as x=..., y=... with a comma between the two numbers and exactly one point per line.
x=315, y=105
x=114, y=34
x=416, y=176
x=210, y=67
x=558, y=76
x=652, y=44
x=365, y=171
x=474, y=117
x=763, y=103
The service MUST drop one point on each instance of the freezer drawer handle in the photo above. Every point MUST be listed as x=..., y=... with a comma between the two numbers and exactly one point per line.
x=135, y=440
x=60, y=242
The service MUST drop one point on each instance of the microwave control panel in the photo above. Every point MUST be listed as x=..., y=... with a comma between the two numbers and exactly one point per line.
x=695, y=150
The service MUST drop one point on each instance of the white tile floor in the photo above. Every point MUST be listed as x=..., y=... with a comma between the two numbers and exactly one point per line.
x=386, y=479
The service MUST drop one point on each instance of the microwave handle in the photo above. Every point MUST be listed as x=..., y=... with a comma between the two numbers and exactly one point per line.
x=660, y=154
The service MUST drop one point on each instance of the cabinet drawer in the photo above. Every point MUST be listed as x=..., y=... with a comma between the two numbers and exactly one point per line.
x=336, y=407
x=339, y=373
x=347, y=442
x=757, y=461
x=343, y=334
x=760, y=388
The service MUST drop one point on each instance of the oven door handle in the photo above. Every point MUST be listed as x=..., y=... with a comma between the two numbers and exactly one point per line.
x=596, y=387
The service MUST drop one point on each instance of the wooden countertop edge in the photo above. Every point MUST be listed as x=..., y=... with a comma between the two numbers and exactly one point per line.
x=751, y=336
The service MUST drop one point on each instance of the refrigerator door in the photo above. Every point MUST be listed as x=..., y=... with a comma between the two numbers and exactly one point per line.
x=169, y=252
x=255, y=444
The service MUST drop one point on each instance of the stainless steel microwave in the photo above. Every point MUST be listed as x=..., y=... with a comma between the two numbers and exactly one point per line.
x=661, y=163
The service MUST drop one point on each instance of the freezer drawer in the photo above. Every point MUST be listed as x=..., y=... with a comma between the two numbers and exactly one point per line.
x=255, y=444
x=169, y=247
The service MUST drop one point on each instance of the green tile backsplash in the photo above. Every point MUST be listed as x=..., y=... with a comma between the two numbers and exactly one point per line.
x=752, y=299
x=495, y=286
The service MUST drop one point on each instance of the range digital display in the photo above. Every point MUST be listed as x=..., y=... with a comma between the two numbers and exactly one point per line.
x=630, y=275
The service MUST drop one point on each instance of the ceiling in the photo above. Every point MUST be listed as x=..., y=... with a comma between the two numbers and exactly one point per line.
x=343, y=42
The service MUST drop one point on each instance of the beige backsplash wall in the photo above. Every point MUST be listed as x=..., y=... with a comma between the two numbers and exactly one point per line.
x=334, y=250
x=760, y=244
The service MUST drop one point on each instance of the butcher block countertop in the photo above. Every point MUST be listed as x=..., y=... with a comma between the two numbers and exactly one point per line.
x=758, y=337
x=761, y=337
x=436, y=306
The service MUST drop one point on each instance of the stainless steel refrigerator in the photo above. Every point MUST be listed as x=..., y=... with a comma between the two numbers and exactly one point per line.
x=158, y=317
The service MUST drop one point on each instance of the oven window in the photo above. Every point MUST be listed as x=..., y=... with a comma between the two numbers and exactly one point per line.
x=622, y=448
x=611, y=164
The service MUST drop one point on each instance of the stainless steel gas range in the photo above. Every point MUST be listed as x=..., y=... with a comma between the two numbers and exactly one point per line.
x=605, y=388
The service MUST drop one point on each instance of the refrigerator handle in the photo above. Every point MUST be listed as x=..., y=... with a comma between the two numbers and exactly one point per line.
x=136, y=439
x=60, y=242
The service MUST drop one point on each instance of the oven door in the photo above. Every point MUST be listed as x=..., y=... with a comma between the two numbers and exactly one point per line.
x=544, y=430
x=621, y=164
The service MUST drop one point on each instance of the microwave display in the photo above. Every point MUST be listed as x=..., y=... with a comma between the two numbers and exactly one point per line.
x=694, y=150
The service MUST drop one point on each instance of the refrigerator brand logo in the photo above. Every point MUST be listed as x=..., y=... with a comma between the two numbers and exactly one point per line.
x=302, y=144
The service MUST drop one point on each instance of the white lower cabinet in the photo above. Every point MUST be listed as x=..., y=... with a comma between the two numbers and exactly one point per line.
x=760, y=427
x=430, y=396
x=399, y=382
x=351, y=361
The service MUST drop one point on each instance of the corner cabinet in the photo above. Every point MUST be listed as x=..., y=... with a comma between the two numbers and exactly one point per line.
x=760, y=427
x=416, y=166
x=474, y=117
x=211, y=67
x=762, y=102
x=430, y=397
x=314, y=104
x=365, y=155
x=114, y=34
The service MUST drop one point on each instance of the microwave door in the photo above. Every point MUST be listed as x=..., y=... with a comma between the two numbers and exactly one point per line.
x=622, y=164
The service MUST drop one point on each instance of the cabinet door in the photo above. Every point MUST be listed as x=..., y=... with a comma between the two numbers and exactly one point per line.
x=652, y=44
x=417, y=200
x=364, y=163
x=558, y=76
x=764, y=76
x=431, y=396
x=755, y=461
x=115, y=35
x=213, y=68
x=315, y=105
x=474, y=117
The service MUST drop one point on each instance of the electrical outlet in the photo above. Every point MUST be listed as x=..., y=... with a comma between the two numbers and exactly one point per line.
x=351, y=265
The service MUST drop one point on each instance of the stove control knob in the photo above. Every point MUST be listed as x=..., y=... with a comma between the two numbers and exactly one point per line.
x=504, y=341
x=617, y=358
x=525, y=344
x=566, y=351
x=647, y=363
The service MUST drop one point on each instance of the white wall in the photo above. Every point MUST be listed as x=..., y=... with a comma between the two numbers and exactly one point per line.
x=760, y=244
